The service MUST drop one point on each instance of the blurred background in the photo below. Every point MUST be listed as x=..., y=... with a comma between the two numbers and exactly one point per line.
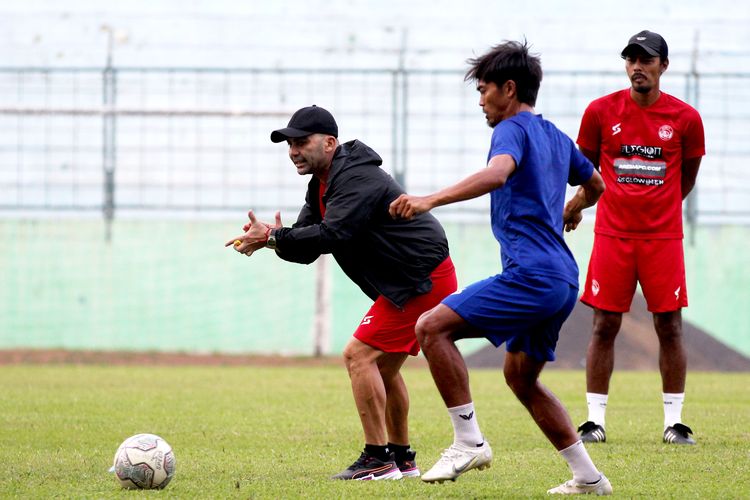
x=134, y=137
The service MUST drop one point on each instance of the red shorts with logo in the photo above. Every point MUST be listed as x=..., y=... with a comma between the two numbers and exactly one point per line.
x=390, y=329
x=617, y=264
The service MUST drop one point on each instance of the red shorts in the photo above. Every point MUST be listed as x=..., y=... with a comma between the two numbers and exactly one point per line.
x=617, y=264
x=390, y=329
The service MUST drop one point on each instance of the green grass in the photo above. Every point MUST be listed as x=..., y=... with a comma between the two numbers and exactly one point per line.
x=281, y=432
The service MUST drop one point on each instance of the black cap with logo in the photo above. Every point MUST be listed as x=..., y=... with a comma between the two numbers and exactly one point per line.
x=646, y=41
x=307, y=121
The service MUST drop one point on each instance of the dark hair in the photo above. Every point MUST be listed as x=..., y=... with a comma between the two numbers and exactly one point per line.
x=509, y=61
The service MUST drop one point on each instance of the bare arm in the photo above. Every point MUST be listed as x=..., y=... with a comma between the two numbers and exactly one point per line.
x=587, y=195
x=482, y=182
x=689, y=174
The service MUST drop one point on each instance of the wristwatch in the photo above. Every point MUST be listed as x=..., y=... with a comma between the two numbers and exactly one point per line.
x=271, y=242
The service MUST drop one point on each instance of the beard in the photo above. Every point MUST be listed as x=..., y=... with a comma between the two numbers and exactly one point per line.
x=642, y=86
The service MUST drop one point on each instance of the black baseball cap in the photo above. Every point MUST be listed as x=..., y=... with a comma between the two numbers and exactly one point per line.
x=649, y=42
x=306, y=121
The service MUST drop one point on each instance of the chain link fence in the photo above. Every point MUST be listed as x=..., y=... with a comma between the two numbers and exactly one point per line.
x=140, y=148
x=196, y=141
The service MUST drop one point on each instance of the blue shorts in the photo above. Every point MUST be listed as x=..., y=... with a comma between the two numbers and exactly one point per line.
x=526, y=312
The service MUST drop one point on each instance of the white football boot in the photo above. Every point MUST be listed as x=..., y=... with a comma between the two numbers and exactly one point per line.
x=458, y=459
x=601, y=487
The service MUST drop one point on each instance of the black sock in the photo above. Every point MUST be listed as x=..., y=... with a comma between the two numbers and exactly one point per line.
x=379, y=452
x=399, y=450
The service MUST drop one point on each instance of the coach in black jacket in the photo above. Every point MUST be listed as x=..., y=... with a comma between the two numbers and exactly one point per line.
x=381, y=255
x=402, y=265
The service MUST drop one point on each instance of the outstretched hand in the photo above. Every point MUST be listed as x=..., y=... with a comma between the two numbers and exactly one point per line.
x=255, y=236
x=277, y=217
x=407, y=206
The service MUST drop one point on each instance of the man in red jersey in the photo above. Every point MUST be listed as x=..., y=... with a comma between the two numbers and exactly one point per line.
x=648, y=145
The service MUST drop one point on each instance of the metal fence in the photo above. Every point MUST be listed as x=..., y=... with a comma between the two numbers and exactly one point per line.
x=192, y=140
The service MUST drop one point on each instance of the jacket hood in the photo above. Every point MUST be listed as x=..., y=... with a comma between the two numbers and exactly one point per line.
x=355, y=153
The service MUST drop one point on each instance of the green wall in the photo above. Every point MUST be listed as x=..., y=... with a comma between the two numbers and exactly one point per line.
x=172, y=286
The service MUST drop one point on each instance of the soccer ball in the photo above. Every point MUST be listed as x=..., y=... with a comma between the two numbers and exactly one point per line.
x=145, y=462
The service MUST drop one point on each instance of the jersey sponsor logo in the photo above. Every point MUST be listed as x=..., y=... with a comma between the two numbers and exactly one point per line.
x=595, y=287
x=665, y=132
x=644, y=173
x=640, y=181
x=616, y=129
x=640, y=168
x=648, y=152
x=366, y=320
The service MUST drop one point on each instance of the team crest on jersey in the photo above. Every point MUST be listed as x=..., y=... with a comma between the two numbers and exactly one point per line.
x=665, y=132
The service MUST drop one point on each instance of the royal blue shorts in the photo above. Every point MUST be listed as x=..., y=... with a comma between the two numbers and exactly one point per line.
x=524, y=312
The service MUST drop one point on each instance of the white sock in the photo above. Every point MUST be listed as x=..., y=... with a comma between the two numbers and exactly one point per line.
x=465, y=426
x=597, y=407
x=579, y=461
x=672, y=408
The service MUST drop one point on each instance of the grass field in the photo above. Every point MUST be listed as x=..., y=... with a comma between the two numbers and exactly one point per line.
x=260, y=432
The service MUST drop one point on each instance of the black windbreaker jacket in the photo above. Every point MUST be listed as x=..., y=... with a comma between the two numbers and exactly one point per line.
x=383, y=256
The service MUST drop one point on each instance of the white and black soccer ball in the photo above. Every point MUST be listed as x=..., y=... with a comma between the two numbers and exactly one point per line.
x=145, y=462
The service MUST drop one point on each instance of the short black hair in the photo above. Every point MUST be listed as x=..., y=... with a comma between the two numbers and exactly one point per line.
x=509, y=61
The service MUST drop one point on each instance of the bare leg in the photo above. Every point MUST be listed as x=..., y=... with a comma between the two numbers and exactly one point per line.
x=368, y=389
x=600, y=357
x=397, y=397
x=522, y=376
x=672, y=357
x=437, y=331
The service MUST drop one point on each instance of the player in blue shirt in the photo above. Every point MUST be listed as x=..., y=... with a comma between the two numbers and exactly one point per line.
x=528, y=167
